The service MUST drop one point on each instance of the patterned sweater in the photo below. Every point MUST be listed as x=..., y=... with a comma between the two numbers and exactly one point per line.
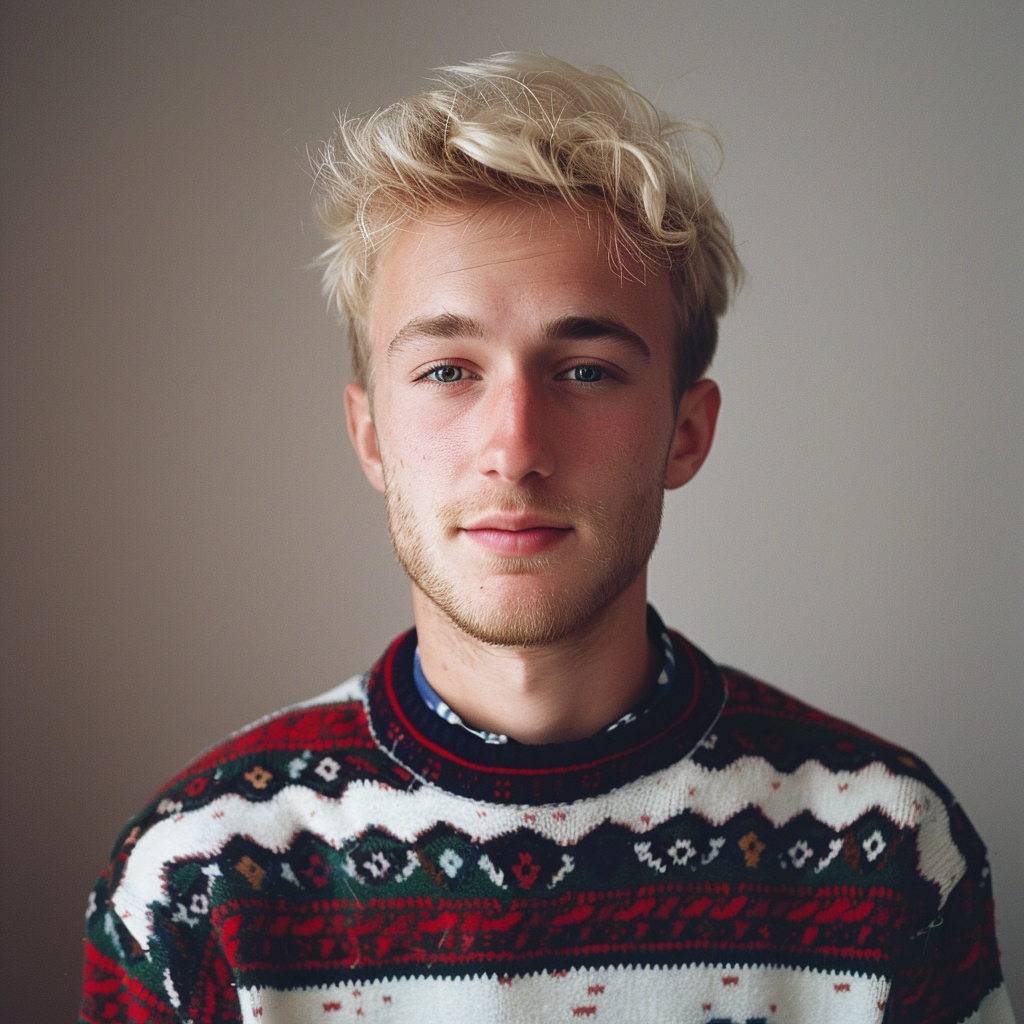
x=736, y=857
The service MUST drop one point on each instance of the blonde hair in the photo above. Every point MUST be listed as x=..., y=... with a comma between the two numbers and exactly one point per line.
x=530, y=127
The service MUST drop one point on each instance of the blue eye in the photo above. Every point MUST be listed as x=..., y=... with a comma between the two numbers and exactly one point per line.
x=445, y=374
x=586, y=374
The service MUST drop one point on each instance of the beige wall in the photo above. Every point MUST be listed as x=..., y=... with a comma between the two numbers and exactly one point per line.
x=187, y=543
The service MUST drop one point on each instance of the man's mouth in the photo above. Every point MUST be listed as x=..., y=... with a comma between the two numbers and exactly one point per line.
x=516, y=534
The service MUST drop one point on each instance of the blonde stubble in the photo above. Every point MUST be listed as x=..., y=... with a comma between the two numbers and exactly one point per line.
x=626, y=539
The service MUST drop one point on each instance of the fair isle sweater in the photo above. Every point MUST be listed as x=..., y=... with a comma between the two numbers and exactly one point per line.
x=736, y=856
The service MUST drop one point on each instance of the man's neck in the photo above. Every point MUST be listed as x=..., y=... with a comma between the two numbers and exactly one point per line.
x=550, y=693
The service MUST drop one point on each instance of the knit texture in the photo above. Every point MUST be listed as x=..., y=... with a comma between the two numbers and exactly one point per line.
x=738, y=856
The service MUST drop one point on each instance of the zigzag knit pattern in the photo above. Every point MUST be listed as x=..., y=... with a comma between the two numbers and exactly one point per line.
x=738, y=857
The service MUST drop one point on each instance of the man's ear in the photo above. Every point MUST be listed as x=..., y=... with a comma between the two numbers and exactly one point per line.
x=694, y=432
x=363, y=434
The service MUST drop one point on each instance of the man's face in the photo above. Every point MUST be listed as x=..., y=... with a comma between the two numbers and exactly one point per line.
x=522, y=417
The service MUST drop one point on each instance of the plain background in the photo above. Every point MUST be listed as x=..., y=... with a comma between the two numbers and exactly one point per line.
x=187, y=540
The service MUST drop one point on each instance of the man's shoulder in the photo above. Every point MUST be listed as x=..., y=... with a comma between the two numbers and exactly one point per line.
x=257, y=761
x=263, y=778
x=261, y=757
x=762, y=720
x=786, y=761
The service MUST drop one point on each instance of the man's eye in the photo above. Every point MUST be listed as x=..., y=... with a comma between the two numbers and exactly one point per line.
x=586, y=374
x=444, y=374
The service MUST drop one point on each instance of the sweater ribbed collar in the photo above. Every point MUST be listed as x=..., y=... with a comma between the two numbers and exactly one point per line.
x=449, y=756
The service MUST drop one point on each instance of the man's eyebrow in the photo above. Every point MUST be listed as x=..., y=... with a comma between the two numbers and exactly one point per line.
x=568, y=328
x=444, y=325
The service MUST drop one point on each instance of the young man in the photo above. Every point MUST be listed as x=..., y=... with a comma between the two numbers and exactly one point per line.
x=540, y=805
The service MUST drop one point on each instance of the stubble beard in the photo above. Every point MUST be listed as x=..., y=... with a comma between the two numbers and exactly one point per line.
x=534, y=616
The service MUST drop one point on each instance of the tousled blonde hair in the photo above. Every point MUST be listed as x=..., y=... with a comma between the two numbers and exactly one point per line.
x=529, y=127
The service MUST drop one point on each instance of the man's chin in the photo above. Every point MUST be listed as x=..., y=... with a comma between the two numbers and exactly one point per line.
x=528, y=626
x=516, y=611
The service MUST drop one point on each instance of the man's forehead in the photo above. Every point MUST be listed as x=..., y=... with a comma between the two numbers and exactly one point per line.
x=504, y=247
x=461, y=236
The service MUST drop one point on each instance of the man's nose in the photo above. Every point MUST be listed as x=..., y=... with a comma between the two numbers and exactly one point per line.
x=516, y=428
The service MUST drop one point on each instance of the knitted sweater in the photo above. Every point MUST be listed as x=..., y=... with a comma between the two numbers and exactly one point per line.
x=736, y=857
